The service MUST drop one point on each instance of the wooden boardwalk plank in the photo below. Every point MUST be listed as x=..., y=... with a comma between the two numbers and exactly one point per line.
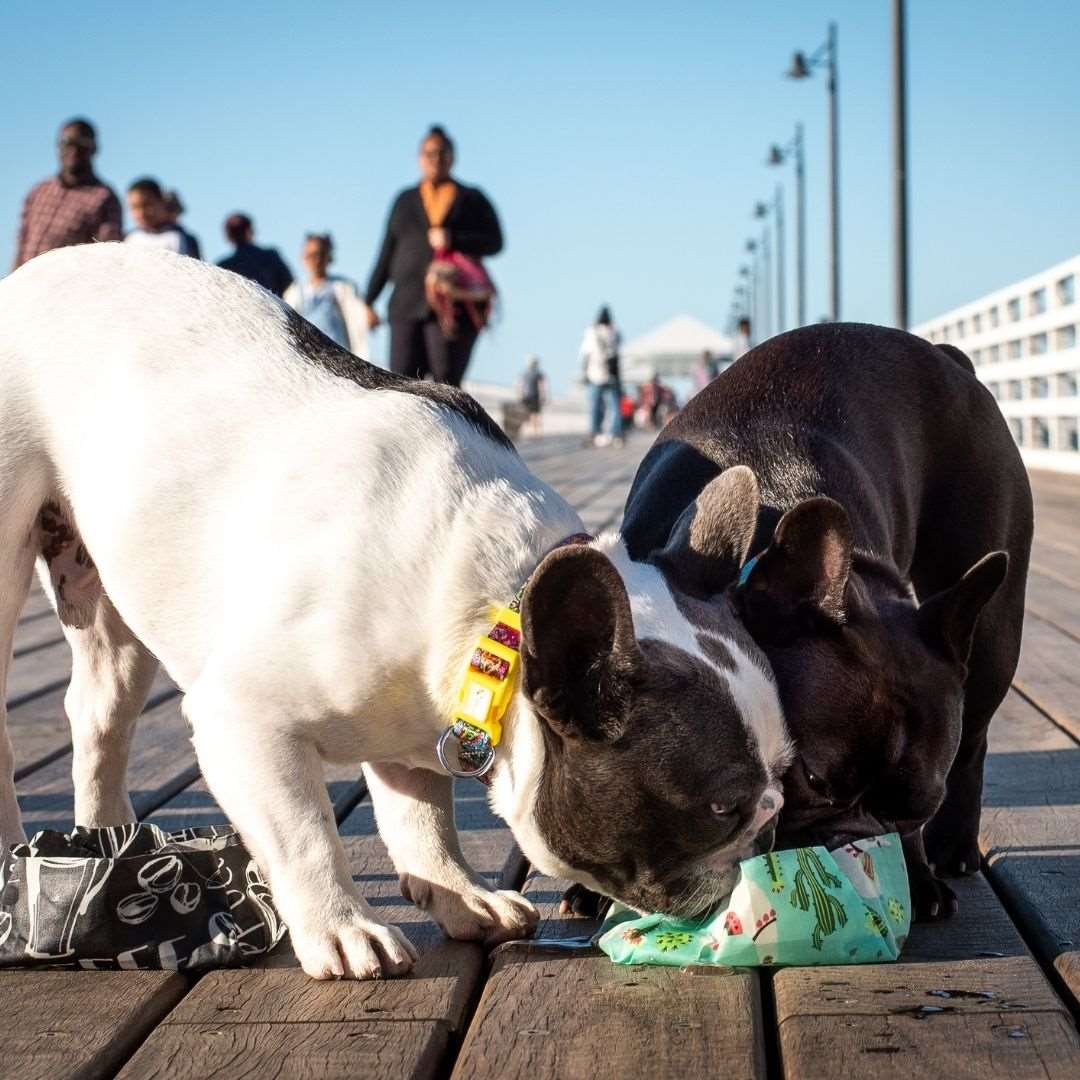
x=80, y=1024
x=1049, y=674
x=1031, y=830
x=320, y=1050
x=967, y=1000
x=430, y=1006
x=888, y=1021
x=549, y=1014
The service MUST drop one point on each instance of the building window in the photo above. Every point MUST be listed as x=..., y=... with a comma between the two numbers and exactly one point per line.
x=1066, y=290
x=1065, y=337
x=976, y=324
x=1067, y=435
x=1015, y=350
x=1014, y=390
x=1040, y=433
x=1014, y=309
x=1037, y=345
x=959, y=328
x=994, y=354
x=1016, y=426
x=1066, y=384
x=1039, y=386
x=993, y=313
x=976, y=357
x=1037, y=302
x=995, y=389
x=944, y=333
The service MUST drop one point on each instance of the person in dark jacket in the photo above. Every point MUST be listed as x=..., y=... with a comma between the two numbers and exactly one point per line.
x=264, y=266
x=440, y=214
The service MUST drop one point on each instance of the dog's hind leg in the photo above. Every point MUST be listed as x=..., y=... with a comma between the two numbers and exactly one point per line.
x=17, y=551
x=111, y=674
x=111, y=670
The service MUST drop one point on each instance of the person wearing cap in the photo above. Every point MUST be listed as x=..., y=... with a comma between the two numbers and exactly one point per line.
x=72, y=207
x=262, y=265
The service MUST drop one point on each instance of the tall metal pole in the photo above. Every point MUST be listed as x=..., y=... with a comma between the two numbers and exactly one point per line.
x=781, y=314
x=834, y=180
x=800, y=226
x=766, y=285
x=900, y=165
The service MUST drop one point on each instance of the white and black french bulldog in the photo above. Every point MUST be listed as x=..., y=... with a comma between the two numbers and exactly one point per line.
x=887, y=585
x=313, y=547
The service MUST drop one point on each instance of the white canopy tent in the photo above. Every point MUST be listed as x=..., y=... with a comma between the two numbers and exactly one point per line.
x=674, y=350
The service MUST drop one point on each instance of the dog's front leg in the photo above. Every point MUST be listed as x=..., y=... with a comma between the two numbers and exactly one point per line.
x=414, y=809
x=270, y=784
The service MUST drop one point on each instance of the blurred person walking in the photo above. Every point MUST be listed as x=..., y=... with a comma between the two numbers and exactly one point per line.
x=174, y=211
x=327, y=301
x=440, y=217
x=262, y=265
x=600, y=365
x=155, y=226
x=532, y=392
x=73, y=207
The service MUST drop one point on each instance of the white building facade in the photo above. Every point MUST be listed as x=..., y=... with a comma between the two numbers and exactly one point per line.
x=1023, y=343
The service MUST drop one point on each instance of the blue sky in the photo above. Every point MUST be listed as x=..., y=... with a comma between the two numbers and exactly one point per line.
x=623, y=143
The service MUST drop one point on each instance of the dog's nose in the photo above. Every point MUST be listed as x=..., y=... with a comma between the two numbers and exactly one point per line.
x=768, y=807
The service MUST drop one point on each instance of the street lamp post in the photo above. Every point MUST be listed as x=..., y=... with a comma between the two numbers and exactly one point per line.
x=777, y=156
x=900, y=253
x=753, y=291
x=761, y=210
x=801, y=68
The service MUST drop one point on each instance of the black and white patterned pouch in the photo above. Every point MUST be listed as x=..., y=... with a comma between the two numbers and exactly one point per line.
x=134, y=897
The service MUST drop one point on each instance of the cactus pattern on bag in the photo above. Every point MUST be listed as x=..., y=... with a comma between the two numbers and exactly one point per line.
x=811, y=880
x=772, y=868
x=875, y=922
x=672, y=939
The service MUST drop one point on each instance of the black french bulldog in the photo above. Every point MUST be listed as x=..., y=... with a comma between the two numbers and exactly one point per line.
x=892, y=546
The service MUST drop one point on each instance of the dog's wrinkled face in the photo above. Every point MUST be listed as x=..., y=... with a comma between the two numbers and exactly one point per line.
x=659, y=729
x=872, y=687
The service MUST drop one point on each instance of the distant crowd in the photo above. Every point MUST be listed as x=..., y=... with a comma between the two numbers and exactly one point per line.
x=436, y=236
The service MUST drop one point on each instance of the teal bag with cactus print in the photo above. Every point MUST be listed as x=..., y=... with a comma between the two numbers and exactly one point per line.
x=798, y=907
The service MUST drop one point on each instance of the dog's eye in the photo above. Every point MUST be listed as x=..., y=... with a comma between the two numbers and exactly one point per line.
x=816, y=784
x=721, y=809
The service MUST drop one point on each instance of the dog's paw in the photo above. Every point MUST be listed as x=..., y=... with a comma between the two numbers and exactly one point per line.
x=357, y=948
x=577, y=900
x=473, y=913
x=952, y=852
x=931, y=899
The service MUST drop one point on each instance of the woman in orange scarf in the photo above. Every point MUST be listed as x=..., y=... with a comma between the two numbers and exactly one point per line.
x=439, y=214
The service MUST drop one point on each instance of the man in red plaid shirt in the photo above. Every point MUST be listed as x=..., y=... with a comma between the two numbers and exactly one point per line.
x=73, y=207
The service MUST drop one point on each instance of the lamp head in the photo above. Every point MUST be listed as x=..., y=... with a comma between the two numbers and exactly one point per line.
x=799, y=68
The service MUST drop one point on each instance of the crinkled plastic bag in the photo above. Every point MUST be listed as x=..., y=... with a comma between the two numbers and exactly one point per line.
x=803, y=906
x=134, y=897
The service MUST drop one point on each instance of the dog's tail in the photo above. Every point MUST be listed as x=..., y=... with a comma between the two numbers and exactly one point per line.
x=959, y=356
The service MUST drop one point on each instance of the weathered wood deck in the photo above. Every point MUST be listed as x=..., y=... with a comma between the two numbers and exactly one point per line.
x=1010, y=961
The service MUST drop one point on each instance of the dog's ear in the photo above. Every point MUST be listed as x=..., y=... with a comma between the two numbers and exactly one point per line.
x=710, y=541
x=580, y=658
x=947, y=620
x=800, y=579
